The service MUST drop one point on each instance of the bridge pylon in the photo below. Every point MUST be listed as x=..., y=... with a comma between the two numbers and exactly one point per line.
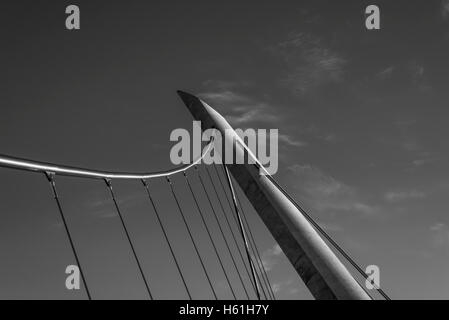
x=322, y=272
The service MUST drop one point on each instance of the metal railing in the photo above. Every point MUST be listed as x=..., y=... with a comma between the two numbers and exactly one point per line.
x=43, y=167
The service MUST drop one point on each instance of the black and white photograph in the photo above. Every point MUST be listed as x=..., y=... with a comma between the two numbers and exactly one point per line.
x=230, y=156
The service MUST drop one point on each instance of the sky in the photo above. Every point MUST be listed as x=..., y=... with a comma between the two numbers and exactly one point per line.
x=361, y=116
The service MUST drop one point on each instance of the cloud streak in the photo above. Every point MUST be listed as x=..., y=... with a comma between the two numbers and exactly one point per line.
x=398, y=196
x=440, y=235
x=310, y=62
x=241, y=109
x=326, y=194
x=270, y=257
x=291, y=141
x=445, y=9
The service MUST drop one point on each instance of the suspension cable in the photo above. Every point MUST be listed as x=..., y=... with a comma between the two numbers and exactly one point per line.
x=252, y=241
x=256, y=252
x=260, y=167
x=264, y=292
x=209, y=234
x=324, y=233
x=222, y=232
x=232, y=231
x=51, y=180
x=109, y=185
x=147, y=188
x=191, y=237
x=242, y=230
x=253, y=246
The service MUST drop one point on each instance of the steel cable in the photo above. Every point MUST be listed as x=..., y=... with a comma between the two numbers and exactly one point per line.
x=191, y=237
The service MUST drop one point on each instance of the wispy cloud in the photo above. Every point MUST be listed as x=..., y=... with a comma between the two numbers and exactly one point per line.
x=410, y=145
x=409, y=141
x=240, y=109
x=270, y=257
x=291, y=141
x=445, y=8
x=422, y=161
x=418, y=76
x=321, y=134
x=226, y=84
x=416, y=70
x=244, y=111
x=285, y=286
x=409, y=72
x=386, y=73
x=311, y=63
x=102, y=208
x=440, y=235
x=326, y=194
x=397, y=196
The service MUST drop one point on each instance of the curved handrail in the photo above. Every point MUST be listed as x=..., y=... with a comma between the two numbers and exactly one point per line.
x=35, y=166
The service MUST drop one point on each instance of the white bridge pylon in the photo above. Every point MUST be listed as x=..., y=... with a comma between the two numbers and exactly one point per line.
x=322, y=272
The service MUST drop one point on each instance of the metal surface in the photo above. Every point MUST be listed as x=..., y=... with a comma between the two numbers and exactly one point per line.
x=36, y=166
x=320, y=269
